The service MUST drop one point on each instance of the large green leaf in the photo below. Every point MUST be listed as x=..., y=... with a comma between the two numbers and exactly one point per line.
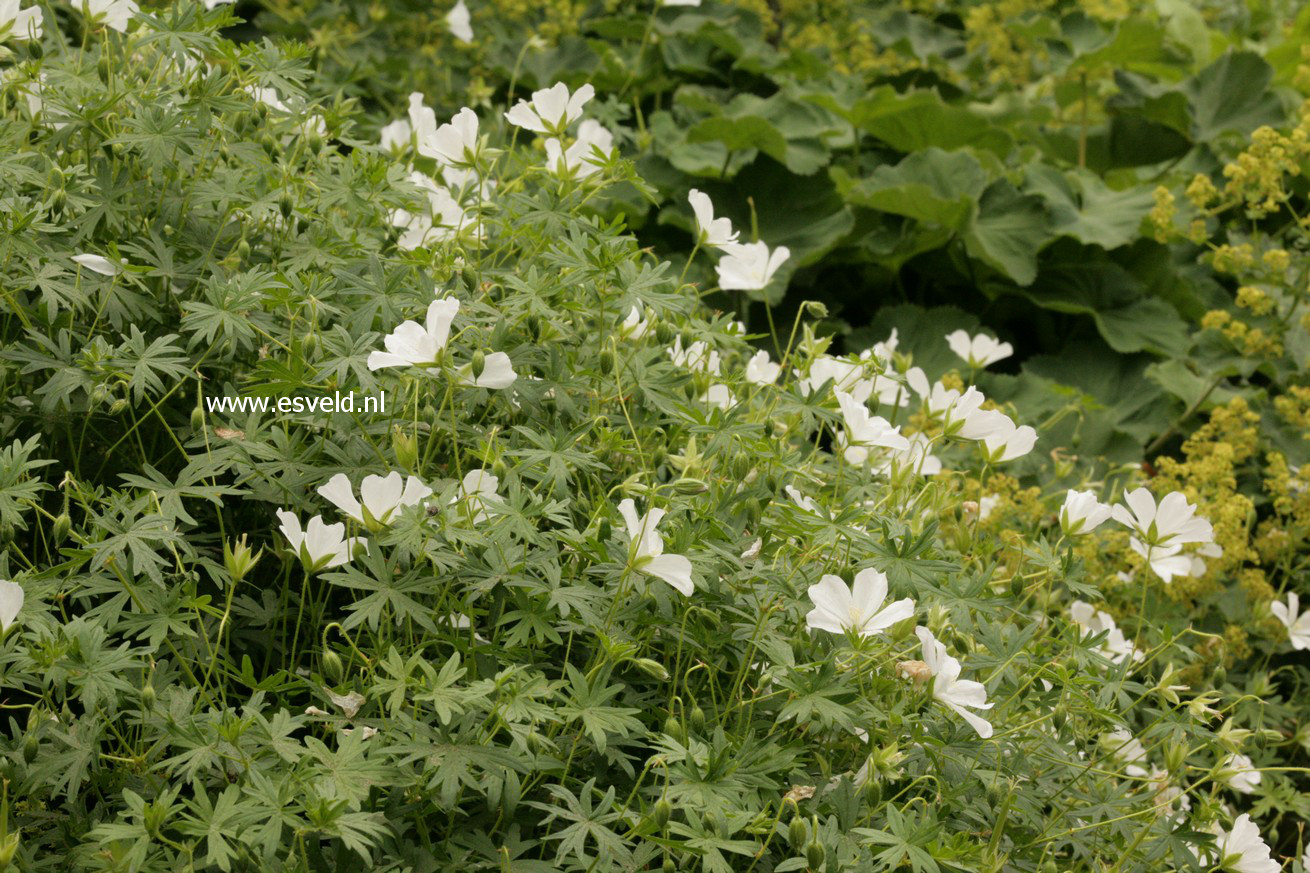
x=1085, y=208
x=1128, y=319
x=932, y=186
x=1232, y=94
x=917, y=120
x=1008, y=231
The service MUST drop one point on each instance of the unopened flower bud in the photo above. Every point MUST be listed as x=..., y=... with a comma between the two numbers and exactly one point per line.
x=797, y=832
x=478, y=364
x=662, y=812
x=332, y=668
x=406, y=448
x=62, y=527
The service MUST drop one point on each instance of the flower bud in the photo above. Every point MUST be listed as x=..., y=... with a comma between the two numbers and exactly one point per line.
x=8, y=848
x=662, y=812
x=499, y=469
x=669, y=866
x=31, y=746
x=148, y=695
x=664, y=333
x=406, y=448
x=690, y=486
x=673, y=728
x=797, y=832
x=816, y=309
x=652, y=668
x=478, y=364
x=697, y=719
x=118, y=407
x=332, y=668
x=1175, y=755
x=309, y=345
x=315, y=143
x=63, y=525
x=243, y=250
x=814, y=854
x=607, y=361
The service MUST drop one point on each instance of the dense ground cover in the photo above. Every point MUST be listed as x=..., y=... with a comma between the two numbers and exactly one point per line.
x=704, y=523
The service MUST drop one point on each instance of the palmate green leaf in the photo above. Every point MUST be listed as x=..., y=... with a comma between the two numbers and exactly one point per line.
x=392, y=593
x=213, y=821
x=589, y=814
x=1008, y=231
x=931, y=186
x=917, y=120
x=588, y=702
x=133, y=542
x=350, y=772
x=18, y=483
x=1083, y=207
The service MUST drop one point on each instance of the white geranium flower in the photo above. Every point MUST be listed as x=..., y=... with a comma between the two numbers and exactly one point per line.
x=380, y=497
x=497, y=372
x=760, y=370
x=845, y=375
x=1125, y=749
x=579, y=160
x=711, y=231
x=949, y=689
x=1239, y=774
x=1002, y=440
x=395, y=136
x=802, y=501
x=884, y=350
x=112, y=13
x=477, y=490
x=1172, y=522
x=319, y=546
x=635, y=326
x=444, y=218
x=99, y=264
x=1094, y=621
x=1161, y=531
x=1082, y=513
x=964, y=418
x=698, y=356
x=648, y=549
x=864, y=431
x=720, y=396
x=11, y=601
x=1296, y=622
x=460, y=22
x=858, y=609
x=454, y=143
x=551, y=109
x=415, y=344
x=749, y=266
x=979, y=351
x=1242, y=850
x=680, y=2
x=917, y=457
x=19, y=24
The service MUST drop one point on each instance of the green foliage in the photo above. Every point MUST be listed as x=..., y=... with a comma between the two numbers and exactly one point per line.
x=505, y=672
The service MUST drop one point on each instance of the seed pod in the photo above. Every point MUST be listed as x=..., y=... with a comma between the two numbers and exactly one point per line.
x=31, y=745
x=814, y=855
x=662, y=812
x=607, y=361
x=332, y=668
x=664, y=333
